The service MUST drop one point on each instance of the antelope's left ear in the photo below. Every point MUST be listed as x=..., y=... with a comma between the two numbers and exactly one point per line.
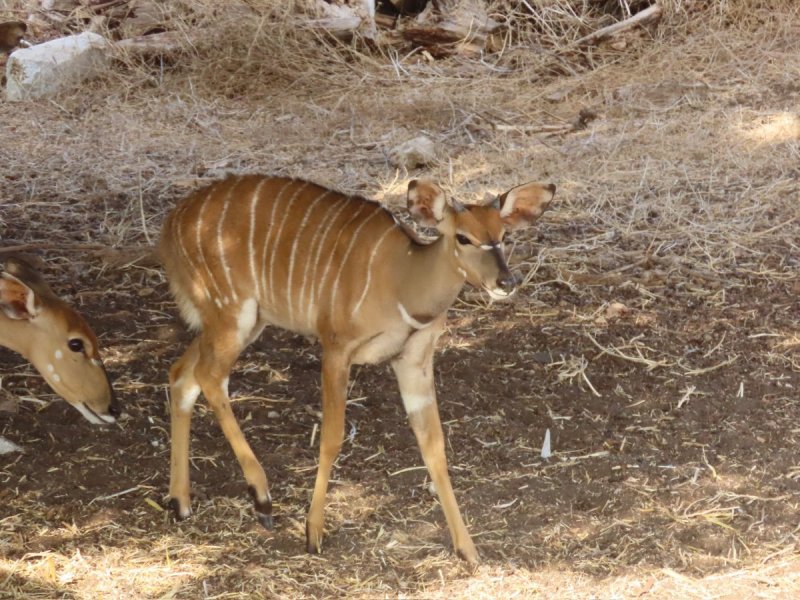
x=522, y=205
x=426, y=202
x=17, y=300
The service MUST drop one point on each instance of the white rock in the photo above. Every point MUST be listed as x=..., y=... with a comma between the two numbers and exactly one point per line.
x=546, y=451
x=7, y=447
x=46, y=68
x=417, y=152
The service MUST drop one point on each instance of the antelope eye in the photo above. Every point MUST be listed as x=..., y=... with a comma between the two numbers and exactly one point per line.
x=462, y=239
x=75, y=344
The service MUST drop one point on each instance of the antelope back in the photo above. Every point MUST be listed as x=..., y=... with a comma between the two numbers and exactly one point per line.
x=55, y=339
x=301, y=253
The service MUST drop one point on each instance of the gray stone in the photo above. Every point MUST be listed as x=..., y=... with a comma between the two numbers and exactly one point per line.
x=45, y=69
x=417, y=152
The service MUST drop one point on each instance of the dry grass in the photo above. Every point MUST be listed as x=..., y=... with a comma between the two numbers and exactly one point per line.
x=678, y=202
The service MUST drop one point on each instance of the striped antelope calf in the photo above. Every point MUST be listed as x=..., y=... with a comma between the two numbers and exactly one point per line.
x=253, y=250
x=55, y=339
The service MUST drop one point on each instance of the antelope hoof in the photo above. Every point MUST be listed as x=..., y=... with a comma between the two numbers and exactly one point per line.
x=313, y=539
x=267, y=522
x=468, y=554
x=263, y=509
x=179, y=513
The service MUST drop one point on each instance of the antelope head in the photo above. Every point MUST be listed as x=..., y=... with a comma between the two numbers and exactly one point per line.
x=56, y=340
x=476, y=232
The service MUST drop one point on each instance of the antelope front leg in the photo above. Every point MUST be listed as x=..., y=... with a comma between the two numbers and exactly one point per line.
x=213, y=367
x=335, y=373
x=414, y=371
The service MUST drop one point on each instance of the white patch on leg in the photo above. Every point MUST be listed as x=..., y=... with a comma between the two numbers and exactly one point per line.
x=246, y=320
x=224, y=386
x=416, y=402
x=188, y=397
x=187, y=308
x=408, y=319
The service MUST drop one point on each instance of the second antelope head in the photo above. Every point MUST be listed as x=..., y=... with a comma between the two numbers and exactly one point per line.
x=49, y=333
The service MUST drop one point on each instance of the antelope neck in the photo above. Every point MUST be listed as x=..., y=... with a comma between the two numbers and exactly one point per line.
x=432, y=279
x=16, y=335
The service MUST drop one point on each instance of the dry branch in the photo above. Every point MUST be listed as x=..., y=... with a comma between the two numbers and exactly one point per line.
x=156, y=43
x=458, y=27
x=648, y=15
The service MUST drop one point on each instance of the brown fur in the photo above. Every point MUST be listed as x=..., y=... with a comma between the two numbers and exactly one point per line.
x=251, y=251
x=44, y=329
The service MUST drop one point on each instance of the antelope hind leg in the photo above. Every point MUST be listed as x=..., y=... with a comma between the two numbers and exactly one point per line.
x=217, y=354
x=184, y=391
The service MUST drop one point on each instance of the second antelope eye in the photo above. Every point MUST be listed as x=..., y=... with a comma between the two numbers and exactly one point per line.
x=75, y=344
x=462, y=239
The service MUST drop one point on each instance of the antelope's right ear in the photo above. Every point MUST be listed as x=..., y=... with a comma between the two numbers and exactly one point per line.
x=522, y=205
x=426, y=202
x=17, y=300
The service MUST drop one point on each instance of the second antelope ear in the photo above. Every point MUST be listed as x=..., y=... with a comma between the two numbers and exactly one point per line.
x=522, y=205
x=17, y=300
x=426, y=202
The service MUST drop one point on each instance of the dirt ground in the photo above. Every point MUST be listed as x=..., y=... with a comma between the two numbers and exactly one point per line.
x=656, y=335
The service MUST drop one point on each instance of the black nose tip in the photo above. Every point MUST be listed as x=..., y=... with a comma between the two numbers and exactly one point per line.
x=113, y=408
x=507, y=282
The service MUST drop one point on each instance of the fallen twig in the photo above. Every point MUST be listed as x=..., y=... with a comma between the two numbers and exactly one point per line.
x=648, y=15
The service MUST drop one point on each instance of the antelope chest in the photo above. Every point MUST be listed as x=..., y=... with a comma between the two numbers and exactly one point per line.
x=383, y=345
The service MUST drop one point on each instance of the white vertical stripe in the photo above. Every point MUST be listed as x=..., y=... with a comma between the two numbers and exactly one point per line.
x=177, y=215
x=199, y=240
x=297, y=236
x=369, y=267
x=251, y=236
x=275, y=202
x=275, y=246
x=221, y=247
x=318, y=243
x=347, y=254
x=331, y=250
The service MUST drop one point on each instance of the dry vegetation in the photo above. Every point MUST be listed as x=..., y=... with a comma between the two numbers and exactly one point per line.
x=656, y=335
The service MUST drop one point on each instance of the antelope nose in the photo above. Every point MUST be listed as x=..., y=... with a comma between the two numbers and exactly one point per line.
x=113, y=408
x=507, y=282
